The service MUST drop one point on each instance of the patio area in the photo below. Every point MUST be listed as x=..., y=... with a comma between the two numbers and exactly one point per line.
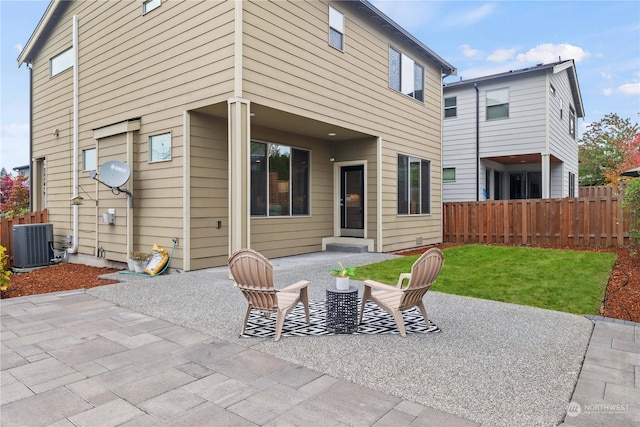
x=493, y=363
x=168, y=351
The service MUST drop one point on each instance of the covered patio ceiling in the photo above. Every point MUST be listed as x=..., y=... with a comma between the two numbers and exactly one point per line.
x=287, y=122
x=517, y=159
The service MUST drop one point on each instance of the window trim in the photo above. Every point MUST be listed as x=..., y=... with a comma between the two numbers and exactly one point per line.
x=453, y=107
x=406, y=83
x=572, y=185
x=333, y=25
x=425, y=194
x=151, y=150
x=291, y=182
x=444, y=179
x=146, y=3
x=62, y=56
x=572, y=122
x=486, y=96
x=84, y=159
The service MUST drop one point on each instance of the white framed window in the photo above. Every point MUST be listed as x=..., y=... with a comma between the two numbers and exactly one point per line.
x=572, y=184
x=497, y=104
x=160, y=148
x=405, y=75
x=280, y=180
x=414, y=185
x=449, y=174
x=572, y=122
x=149, y=5
x=60, y=62
x=450, y=107
x=336, y=29
x=89, y=159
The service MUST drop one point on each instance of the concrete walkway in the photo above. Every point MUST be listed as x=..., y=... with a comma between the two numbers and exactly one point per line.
x=166, y=351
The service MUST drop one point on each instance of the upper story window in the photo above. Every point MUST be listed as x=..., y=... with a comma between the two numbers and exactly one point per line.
x=405, y=75
x=160, y=147
x=336, y=29
x=61, y=62
x=280, y=178
x=572, y=122
x=89, y=159
x=414, y=186
x=450, y=107
x=497, y=104
x=149, y=5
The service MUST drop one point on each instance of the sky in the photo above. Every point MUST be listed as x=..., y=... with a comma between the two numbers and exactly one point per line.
x=477, y=37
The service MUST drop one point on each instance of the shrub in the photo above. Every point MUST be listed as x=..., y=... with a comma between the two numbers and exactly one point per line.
x=631, y=204
x=5, y=280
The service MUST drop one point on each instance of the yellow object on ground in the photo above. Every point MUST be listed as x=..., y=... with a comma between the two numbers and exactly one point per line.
x=159, y=259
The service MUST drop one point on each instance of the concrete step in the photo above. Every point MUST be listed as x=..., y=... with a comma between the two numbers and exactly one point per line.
x=343, y=247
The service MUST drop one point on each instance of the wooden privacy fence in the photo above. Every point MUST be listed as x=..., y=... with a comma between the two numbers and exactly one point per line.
x=587, y=221
x=6, y=228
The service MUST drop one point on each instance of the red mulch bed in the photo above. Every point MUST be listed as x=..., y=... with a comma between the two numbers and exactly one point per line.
x=56, y=278
x=622, y=298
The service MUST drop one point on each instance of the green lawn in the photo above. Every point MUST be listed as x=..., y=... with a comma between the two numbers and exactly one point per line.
x=562, y=280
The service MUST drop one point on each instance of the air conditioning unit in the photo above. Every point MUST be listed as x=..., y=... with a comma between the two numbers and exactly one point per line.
x=32, y=245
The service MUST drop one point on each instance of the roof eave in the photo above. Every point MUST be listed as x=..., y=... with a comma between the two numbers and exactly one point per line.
x=447, y=69
x=26, y=54
x=575, y=86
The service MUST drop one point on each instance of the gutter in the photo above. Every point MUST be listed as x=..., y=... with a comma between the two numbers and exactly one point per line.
x=475, y=86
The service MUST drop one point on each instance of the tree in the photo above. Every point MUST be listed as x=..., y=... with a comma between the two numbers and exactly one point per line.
x=631, y=204
x=14, y=196
x=608, y=147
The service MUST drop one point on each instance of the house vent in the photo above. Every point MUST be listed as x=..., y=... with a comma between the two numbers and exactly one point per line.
x=32, y=245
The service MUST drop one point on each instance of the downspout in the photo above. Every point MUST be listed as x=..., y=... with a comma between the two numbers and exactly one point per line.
x=475, y=86
x=74, y=247
x=31, y=204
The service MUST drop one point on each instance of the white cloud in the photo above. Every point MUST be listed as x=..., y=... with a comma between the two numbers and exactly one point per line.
x=607, y=91
x=475, y=15
x=469, y=52
x=606, y=75
x=501, y=55
x=18, y=47
x=549, y=52
x=630, y=89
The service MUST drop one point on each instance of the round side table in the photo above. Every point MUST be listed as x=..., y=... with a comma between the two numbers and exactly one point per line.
x=342, y=310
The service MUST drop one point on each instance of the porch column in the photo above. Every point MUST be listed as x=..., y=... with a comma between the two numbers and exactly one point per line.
x=546, y=176
x=239, y=173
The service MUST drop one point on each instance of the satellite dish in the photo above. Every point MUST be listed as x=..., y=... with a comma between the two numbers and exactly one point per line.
x=115, y=173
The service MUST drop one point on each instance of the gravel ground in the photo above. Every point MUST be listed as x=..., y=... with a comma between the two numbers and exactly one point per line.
x=494, y=363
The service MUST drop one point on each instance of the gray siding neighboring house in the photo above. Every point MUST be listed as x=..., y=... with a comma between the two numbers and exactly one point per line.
x=512, y=135
x=281, y=126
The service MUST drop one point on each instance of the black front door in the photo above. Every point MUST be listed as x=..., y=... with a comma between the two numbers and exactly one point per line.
x=352, y=201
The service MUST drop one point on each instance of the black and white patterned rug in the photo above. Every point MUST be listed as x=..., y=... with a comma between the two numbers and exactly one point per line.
x=374, y=321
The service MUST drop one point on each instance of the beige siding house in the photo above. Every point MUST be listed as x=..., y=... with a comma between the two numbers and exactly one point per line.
x=283, y=126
